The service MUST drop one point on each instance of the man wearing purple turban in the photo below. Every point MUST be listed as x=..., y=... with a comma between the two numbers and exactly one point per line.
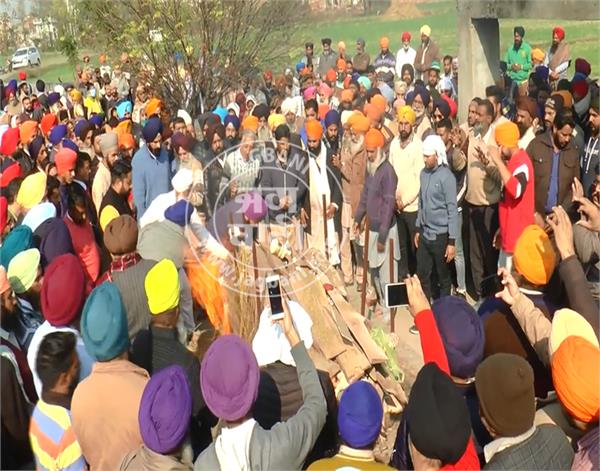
x=164, y=419
x=229, y=379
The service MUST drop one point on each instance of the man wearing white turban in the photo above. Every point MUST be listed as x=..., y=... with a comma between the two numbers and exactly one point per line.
x=437, y=220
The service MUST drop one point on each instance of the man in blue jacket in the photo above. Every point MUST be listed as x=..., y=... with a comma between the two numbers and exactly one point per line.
x=151, y=168
x=437, y=220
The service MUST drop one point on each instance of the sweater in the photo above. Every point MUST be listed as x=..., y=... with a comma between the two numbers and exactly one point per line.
x=104, y=411
x=424, y=56
x=385, y=67
x=156, y=348
x=287, y=444
x=437, y=204
x=433, y=351
x=587, y=456
x=146, y=459
x=280, y=397
x=521, y=56
x=100, y=185
x=590, y=165
x=408, y=163
x=350, y=459
x=483, y=181
x=131, y=286
x=377, y=200
x=278, y=179
x=151, y=177
x=547, y=448
x=117, y=201
x=517, y=207
x=361, y=62
x=86, y=249
x=52, y=438
x=85, y=359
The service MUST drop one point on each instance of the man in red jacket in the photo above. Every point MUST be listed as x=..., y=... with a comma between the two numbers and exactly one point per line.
x=516, y=208
x=457, y=452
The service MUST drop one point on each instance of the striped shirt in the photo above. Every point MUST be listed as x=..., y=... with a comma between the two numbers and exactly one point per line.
x=244, y=172
x=53, y=439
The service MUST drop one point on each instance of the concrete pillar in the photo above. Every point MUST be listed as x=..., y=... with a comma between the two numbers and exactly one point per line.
x=478, y=58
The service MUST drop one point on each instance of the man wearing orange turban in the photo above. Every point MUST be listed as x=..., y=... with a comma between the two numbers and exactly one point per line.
x=321, y=208
x=353, y=168
x=516, y=208
x=250, y=123
x=153, y=107
x=127, y=145
x=346, y=98
x=576, y=378
x=385, y=63
x=47, y=123
x=374, y=140
x=377, y=202
x=29, y=129
x=374, y=114
x=379, y=102
x=65, y=164
x=406, y=157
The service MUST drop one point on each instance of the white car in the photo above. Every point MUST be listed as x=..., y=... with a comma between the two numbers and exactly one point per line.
x=26, y=57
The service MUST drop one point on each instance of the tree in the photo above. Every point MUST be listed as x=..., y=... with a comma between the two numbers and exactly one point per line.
x=188, y=47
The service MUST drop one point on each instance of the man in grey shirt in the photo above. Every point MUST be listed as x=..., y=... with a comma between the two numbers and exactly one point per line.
x=437, y=224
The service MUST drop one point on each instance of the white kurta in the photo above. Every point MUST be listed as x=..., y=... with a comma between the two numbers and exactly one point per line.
x=319, y=186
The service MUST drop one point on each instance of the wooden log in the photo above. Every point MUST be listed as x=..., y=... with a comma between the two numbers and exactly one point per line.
x=363, y=294
x=358, y=329
x=325, y=231
x=392, y=272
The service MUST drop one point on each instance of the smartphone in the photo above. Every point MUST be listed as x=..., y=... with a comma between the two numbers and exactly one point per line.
x=274, y=291
x=491, y=285
x=396, y=295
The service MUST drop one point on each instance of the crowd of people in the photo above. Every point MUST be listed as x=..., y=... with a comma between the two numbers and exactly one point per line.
x=493, y=224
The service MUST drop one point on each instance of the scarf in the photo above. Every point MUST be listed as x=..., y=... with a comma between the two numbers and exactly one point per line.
x=581, y=107
x=560, y=55
x=232, y=446
x=373, y=166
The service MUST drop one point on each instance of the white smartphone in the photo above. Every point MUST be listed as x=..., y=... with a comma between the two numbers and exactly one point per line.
x=395, y=295
x=274, y=291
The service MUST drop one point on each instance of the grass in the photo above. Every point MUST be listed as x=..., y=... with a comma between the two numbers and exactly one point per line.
x=440, y=16
x=54, y=69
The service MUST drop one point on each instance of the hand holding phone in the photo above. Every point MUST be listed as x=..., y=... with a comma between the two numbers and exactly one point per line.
x=510, y=290
x=491, y=285
x=280, y=311
x=396, y=295
x=274, y=292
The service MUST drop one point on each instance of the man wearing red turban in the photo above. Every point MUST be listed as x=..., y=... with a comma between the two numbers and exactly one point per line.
x=558, y=57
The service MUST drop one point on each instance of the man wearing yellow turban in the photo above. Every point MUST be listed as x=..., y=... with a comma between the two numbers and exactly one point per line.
x=427, y=52
x=32, y=190
x=407, y=159
x=158, y=346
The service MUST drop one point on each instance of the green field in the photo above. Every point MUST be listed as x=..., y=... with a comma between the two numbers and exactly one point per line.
x=54, y=68
x=583, y=36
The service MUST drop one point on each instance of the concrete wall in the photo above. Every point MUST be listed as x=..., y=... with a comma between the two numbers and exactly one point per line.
x=479, y=39
x=536, y=9
x=478, y=58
